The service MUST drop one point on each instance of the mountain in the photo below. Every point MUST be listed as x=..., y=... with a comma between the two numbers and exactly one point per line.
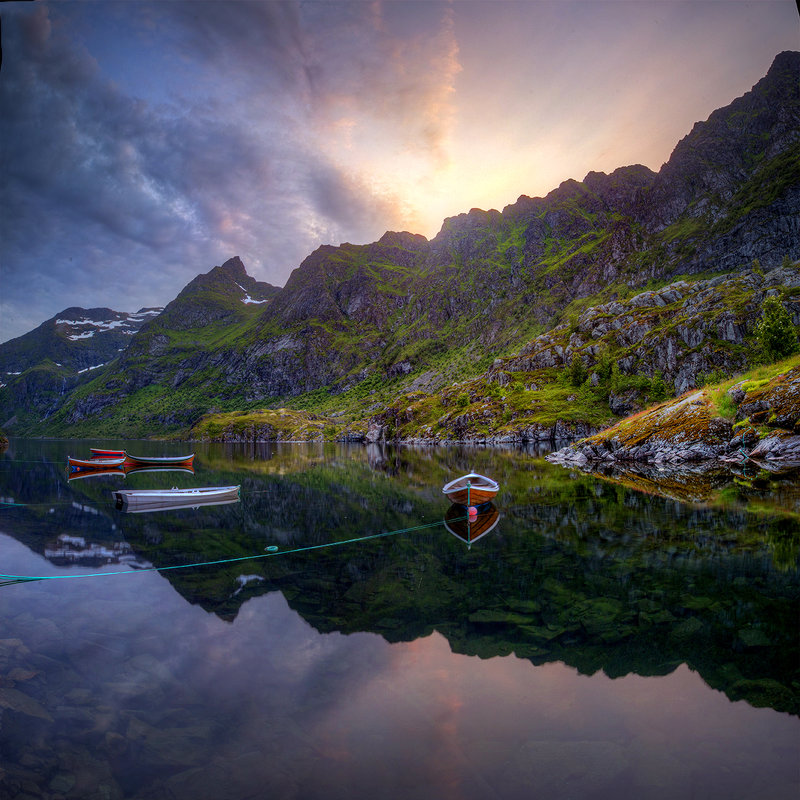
x=359, y=326
x=174, y=361
x=610, y=361
x=78, y=339
x=39, y=368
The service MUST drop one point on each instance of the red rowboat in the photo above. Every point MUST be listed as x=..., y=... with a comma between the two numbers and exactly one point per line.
x=94, y=463
x=98, y=452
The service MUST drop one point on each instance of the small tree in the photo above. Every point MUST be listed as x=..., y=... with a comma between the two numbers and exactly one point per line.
x=577, y=371
x=605, y=365
x=658, y=388
x=775, y=332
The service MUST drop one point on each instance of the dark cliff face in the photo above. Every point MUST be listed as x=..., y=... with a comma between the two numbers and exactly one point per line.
x=734, y=179
x=489, y=281
x=723, y=152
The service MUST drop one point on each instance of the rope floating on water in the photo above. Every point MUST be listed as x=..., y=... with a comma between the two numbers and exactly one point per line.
x=272, y=550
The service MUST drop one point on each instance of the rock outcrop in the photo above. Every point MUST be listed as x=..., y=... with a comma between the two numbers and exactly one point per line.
x=764, y=426
x=682, y=331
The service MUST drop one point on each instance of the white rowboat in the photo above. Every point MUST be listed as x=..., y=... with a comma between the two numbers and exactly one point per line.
x=136, y=500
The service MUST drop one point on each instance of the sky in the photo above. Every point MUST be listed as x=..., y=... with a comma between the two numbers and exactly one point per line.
x=143, y=143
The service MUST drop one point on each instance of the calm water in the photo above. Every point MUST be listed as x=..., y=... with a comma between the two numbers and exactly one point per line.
x=617, y=636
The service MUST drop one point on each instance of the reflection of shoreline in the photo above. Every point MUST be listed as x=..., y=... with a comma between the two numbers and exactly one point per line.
x=586, y=571
x=763, y=483
x=69, y=550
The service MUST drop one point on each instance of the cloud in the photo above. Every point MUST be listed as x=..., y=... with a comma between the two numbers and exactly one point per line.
x=234, y=160
x=399, y=85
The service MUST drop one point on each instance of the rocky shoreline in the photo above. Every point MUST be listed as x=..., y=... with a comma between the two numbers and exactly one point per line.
x=537, y=435
x=762, y=423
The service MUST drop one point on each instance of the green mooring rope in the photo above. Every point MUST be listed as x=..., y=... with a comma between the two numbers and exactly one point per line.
x=273, y=551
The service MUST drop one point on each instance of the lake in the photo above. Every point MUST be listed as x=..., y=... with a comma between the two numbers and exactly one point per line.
x=620, y=635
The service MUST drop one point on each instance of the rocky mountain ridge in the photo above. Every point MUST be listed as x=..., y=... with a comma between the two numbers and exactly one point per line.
x=78, y=339
x=357, y=326
x=40, y=368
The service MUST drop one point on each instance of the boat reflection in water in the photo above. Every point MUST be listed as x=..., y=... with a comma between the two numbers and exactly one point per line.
x=136, y=470
x=74, y=475
x=87, y=472
x=470, y=528
x=136, y=501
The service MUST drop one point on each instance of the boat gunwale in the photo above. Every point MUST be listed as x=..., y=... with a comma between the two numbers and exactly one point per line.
x=453, y=486
x=154, y=460
x=102, y=452
x=198, y=491
x=95, y=463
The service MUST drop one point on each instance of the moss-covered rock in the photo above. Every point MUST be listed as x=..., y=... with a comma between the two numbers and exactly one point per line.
x=700, y=425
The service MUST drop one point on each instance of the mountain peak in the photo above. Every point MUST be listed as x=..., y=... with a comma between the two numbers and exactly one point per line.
x=402, y=239
x=788, y=59
x=234, y=267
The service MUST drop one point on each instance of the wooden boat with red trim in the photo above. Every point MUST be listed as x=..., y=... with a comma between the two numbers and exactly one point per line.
x=471, y=489
x=470, y=528
x=75, y=464
x=99, y=452
x=158, y=461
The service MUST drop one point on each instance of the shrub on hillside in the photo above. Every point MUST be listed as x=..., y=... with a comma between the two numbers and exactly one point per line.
x=775, y=332
x=577, y=371
x=658, y=388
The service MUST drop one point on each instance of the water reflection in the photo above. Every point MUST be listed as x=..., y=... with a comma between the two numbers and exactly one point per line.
x=347, y=668
x=471, y=528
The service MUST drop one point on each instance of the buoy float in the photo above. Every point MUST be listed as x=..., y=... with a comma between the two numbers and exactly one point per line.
x=272, y=548
x=472, y=511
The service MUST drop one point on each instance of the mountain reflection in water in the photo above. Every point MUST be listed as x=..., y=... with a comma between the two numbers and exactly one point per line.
x=238, y=679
